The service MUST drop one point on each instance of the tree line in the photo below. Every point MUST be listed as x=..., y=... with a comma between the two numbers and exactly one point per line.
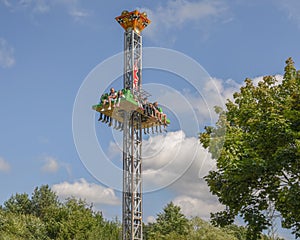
x=43, y=217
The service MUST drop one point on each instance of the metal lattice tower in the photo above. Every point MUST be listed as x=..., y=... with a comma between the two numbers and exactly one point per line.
x=132, y=216
x=132, y=116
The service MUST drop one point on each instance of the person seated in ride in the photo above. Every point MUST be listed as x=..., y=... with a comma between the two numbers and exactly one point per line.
x=146, y=107
x=156, y=111
x=159, y=113
x=111, y=98
x=120, y=96
x=163, y=116
x=151, y=110
x=102, y=100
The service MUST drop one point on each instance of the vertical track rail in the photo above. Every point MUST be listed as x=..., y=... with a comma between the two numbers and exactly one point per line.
x=132, y=177
x=132, y=214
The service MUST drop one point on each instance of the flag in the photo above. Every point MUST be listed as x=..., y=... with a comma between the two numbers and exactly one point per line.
x=135, y=76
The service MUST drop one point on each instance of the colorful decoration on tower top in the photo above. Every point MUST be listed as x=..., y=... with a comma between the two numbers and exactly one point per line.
x=133, y=20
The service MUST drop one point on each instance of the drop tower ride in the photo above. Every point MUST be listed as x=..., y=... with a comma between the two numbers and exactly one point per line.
x=132, y=119
x=132, y=219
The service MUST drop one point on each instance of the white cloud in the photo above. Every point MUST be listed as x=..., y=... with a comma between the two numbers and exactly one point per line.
x=4, y=165
x=175, y=155
x=78, y=13
x=195, y=109
x=175, y=14
x=278, y=77
x=193, y=193
x=6, y=54
x=150, y=219
x=214, y=92
x=73, y=8
x=192, y=207
x=90, y=192
x=181, y=11
x=51, y=165
x=180, y=163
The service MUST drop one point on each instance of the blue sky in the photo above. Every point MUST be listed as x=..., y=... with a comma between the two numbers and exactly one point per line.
x=48, y=48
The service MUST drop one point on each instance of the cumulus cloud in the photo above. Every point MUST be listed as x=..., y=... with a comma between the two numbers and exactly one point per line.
x=150, y=219
x=90, y=192
x=4, y=165
x=6, y=54
x=180, y=163
x=192, y=207
x=215, y=93
x=194, y=108
x=175, y=14
x=278, y=77
x=51, y=165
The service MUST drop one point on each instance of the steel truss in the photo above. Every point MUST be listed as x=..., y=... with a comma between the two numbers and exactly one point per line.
x=132, y=142
x=132, y=177
x=132, y=60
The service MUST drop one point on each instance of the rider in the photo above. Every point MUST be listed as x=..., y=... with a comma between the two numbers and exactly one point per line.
x=111, y=97
x=120, y=96
x=159, y=113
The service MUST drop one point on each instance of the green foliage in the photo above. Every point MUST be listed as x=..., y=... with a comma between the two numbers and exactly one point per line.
x=172, y=224
x=256, y=143
x=44, y=217
x=74, y=219
x=18, y=227
x=43, y=201
x=19, y=204
x=168, y=223
x=199, y=229
x=204, y=231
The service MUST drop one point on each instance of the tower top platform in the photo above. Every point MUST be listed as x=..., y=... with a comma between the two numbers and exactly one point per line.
x=133, y=20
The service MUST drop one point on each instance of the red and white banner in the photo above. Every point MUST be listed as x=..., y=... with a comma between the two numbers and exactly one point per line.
x=135, y=76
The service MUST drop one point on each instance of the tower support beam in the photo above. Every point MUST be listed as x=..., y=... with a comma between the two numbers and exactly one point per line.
x=132, y=60
x=132, y=142
x=132, y=177
x=132, y=217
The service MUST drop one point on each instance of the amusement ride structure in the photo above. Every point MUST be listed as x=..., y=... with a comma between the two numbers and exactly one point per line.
x=130, y=114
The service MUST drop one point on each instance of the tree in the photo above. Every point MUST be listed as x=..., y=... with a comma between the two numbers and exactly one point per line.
x=78, y=220
x=204, y=230
x=43, y=200
x=44, y=217
x=171, y=221
x=18, y=226
x=18, y=203
x=256, y=143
